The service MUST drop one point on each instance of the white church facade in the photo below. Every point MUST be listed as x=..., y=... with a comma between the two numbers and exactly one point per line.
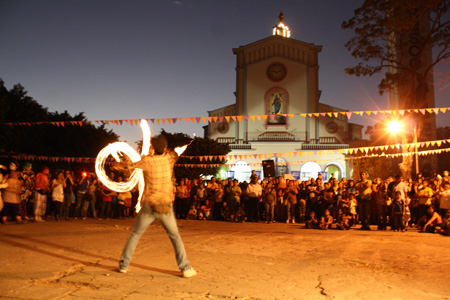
x=277, y=86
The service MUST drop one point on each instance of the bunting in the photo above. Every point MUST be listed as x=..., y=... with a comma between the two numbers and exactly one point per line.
x=215, y=119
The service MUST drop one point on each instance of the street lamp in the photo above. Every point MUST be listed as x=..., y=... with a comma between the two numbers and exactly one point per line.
x=395, y=127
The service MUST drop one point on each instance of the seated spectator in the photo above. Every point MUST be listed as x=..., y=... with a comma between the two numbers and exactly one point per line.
x=240, y=215
x=312, y=222
x=345, y=219
x=204, y=213
x=430, y=222
x=326, y=221
x=225, y=212
x=192, y=215
x=445, y=226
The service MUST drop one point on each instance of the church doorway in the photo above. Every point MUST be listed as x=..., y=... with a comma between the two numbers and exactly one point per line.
x=242, y=171
x=334, y=169
x=309, y=170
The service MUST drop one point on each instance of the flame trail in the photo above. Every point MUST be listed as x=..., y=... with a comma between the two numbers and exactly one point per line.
x=136, y=177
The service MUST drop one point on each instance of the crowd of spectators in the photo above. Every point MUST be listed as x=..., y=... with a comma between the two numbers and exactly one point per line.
x=391, y=203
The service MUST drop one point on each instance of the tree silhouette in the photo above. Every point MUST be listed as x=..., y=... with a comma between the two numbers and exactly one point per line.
x=46, y=139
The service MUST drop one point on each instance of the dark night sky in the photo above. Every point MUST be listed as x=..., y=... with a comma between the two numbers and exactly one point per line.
x=158, y=59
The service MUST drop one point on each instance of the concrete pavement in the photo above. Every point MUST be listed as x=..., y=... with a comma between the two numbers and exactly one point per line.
x=78, y=260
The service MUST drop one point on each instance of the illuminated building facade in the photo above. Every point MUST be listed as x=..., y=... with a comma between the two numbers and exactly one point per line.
x=277, y=77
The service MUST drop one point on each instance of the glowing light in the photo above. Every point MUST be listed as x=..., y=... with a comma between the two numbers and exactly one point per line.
x=281, y=29
x=121, y=148
x=394, y=127
x=180, y=150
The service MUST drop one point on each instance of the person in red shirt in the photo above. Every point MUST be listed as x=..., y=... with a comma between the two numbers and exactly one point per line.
x=41, y=188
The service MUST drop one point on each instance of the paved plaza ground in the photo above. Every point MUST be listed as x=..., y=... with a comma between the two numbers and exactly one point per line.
x=78, y=260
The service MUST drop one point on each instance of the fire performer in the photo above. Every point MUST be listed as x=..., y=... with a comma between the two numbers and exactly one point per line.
x=157, y=203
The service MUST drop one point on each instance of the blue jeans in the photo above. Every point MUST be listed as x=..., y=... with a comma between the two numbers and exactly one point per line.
x=145, y=217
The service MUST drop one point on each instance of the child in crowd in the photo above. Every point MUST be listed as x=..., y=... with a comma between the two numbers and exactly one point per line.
x=122, y=202
x=326, y=220
x=192, y=215
x=398, y=211
x=344, y=219
x=353, y=205
x=312, y=223
x=225, y=211
x=204, y=213
x=240, y=214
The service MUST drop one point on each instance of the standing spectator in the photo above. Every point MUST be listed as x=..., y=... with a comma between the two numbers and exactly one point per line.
x=280, y=207
x=82, y=189
x=212, y=186
x=105, y=211
x=364, y=187
x=425, y=195
x=218, y=199
x=444, y=198
x=41, y=188
x=234, y=196
x=201, y=191
x=122, y=199
x=291, y=202
x=89, y=199
x=398, y=211
x=187, y=197
x=254, y=193
x=270, y=198
x=27, y=178
x=11, y=195
x=381, y=199
x=353, y=207
x=68, y=192
x=58, y=184
x=180, y=194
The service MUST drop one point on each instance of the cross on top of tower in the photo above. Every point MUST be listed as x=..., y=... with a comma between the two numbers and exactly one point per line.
x=281, y=29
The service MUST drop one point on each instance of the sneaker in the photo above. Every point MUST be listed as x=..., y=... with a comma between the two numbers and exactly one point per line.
x=189, y=273
x=122, y=270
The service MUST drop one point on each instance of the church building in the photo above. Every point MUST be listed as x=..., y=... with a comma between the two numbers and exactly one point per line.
x=279, y=126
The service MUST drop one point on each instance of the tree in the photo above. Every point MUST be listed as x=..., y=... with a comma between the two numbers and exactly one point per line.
x=386, y=30
x=46, y=139
x=399, y=36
